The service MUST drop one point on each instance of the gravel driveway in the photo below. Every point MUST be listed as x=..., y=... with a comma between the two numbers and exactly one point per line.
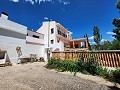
x=33, y=76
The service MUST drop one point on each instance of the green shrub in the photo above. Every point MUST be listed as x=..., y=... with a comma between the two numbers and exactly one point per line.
x=66, y=65
x=81, y=65
x=116, y=75
x=89, y=66
x=53, y=63
x=70, y=65
x=104, y=72
x=86, y=67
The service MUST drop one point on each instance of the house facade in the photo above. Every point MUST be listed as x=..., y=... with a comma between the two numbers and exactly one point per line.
x=58, y=38
x=13, y=35
x=51, y=36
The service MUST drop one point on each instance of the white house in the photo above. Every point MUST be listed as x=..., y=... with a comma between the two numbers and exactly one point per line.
x=13, y=34
x=51, y=36
x=58, y=38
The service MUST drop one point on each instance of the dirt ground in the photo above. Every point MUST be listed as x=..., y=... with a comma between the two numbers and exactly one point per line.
x=33, y=76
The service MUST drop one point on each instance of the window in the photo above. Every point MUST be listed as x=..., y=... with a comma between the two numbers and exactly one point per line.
x=27, y=34
x=76, y=45
x=58, y=40
x=62, y=34
x=52, y=30
x=35, y=36
x=65, y=35
x=52, y=41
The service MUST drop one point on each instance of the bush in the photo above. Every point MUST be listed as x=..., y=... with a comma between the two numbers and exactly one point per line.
x=103, y=72
x=66, y=65
x=113, y=75
x=70, y=66
x=81, y=65
x=91, y=66
x=87, y=66
x=53, y=63
x=116, y=75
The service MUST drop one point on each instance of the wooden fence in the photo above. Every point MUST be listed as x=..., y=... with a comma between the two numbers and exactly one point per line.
x=104, y=58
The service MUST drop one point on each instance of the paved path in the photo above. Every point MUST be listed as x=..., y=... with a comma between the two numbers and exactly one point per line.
x=33, y=76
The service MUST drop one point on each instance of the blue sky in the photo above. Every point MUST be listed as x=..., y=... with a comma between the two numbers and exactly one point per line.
x=79, y=16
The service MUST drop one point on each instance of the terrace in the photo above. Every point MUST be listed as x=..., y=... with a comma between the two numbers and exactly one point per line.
x=76, y=45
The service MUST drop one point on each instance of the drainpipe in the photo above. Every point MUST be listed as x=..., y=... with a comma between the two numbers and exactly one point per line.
x=48, y=51
x=48, y=32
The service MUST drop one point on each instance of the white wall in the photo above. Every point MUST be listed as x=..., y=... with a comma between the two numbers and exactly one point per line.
x=36, y=40
x=44, y=29
x=10, y=44
x=13, y=35
x=7, y=24
x=35, y=49
x=31, y=33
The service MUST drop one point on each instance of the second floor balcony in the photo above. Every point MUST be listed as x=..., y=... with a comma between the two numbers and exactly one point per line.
x=35, y=40
x=61, y=33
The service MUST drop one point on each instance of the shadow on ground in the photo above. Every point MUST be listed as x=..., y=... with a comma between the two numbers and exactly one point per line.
x=113, y=88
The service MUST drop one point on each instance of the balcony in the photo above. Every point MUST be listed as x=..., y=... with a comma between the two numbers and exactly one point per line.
x=62, y=34
x=77, y=45
x=32, y=40
x=62, y=28
x=63, y=38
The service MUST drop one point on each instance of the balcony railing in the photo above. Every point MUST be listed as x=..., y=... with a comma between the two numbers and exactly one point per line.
x=62, y=34
x=35, y=40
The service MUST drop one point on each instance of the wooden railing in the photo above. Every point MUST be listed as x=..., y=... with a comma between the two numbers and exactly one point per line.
x=109, y=58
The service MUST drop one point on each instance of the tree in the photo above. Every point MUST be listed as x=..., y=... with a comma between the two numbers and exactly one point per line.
x=106, y=45
x=116, y=23
x=118, y=4
x=97, y=36
x=113, y=45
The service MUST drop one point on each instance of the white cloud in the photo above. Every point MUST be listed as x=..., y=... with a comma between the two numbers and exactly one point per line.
x=103, y=40
x=39, y=1
x=46, y=18
x=91, y=38
x=110, y=33
x=92, y=43
x=15, y=0
x=64, y=2
x=31, y=1
x=113, y=37
x=44, y=1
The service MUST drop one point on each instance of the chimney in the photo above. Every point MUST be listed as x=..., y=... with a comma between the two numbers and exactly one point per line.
x=4, y=15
